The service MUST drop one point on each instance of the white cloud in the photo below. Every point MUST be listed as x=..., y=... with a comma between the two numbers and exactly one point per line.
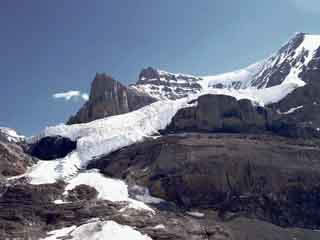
x=71, y=95
x=307, y=5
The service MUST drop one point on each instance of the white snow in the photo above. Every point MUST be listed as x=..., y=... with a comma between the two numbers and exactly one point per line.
x=196, y=214
x=50, y=171
x=244, y=76
x=58, y=234
x=160, y=226
x=59, y=201
x=11, y=135
x=99, y=230
x=291, y=110
x=107, y=188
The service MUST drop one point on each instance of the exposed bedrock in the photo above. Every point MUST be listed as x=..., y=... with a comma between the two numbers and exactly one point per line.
x=221, y=113
x=109, y=97
x=13, y=160
x=266, y=177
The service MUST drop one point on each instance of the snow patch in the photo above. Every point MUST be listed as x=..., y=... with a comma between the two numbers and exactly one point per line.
x=160, y=226
x=97, y=231
x=196, y=214
x=291, y=110
x=11, y=135
x=107, y=188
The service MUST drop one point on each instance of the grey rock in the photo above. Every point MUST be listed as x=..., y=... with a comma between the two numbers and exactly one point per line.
x=109, y=97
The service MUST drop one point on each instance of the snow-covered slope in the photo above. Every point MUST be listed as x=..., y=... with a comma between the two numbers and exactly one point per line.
x=290, y=61
x=239, y=79
x=10, y=135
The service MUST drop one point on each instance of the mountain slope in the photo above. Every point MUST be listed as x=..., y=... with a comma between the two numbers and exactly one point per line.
x=291, y=62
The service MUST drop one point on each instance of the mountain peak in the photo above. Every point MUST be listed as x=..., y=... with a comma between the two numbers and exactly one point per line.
x=165, y=85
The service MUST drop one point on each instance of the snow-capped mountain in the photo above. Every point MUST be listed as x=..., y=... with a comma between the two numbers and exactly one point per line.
x=10, y=135
x=300, y=55
x=176, y=137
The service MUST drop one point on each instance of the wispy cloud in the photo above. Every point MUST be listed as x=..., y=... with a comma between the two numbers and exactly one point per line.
x=307, y=5
x=71, y=95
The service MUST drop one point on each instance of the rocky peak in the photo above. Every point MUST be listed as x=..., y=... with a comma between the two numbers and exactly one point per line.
x=165, y=85
x=292, y=60
x=109, y=97
x=102, y=85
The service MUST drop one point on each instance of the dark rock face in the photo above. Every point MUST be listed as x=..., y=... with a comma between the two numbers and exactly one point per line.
x=13, y=160
x=109, y=97
x=50, y=148
x=265, y=177
x=220, y=113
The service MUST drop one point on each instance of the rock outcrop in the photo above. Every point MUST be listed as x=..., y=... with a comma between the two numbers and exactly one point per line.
x=50, y=148
x=109, y=97
x=263, y=177
x=13, y=160
x=164, y=85
x=221, y=113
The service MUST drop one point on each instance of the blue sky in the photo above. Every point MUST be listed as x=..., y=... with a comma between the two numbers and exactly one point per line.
x=49, y=47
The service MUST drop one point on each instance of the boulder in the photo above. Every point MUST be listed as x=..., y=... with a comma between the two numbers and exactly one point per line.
x=50, y=148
